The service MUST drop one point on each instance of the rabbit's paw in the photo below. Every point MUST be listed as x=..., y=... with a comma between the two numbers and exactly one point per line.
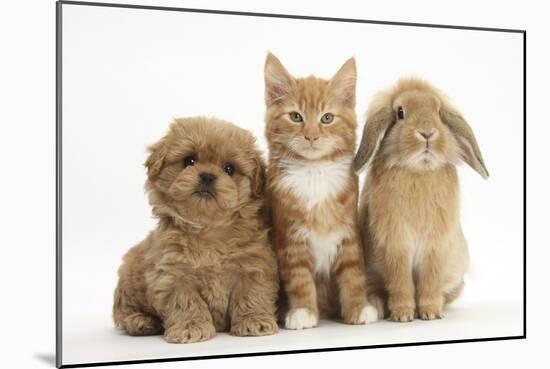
x=430, y=312
x=402, y=314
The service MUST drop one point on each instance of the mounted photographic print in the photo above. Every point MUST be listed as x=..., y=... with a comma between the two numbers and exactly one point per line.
x=234, y=184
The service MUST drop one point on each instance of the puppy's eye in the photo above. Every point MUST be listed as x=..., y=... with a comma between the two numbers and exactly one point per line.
x=327, y=118
x=229, y=169
x=296, y=117
x=400, y=113
x=189, y=160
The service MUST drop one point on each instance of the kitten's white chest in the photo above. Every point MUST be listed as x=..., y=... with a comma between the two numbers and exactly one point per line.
x=313, y=182
x=323, y=246
x=324, y=249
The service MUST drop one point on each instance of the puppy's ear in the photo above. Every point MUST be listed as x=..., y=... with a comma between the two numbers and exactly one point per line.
x=343, y=83
x=469, y=149
x=155, y=161
x=258, y=177
x=278, y=81
x=376, y=127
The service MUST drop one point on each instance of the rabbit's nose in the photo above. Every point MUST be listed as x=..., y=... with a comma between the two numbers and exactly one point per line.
x=425, y=134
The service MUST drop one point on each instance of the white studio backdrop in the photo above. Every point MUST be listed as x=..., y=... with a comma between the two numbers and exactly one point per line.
x=128, y=72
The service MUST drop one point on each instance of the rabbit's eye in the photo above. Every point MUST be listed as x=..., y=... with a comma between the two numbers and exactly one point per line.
x=296, y=117
x=400, y=113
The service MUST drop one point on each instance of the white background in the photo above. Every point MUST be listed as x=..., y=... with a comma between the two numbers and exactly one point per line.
x=123, y=81
x=29, y=154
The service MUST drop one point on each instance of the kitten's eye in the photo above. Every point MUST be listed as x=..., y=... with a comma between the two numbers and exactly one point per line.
x=296, y=117
x=189, y=160
x=400, y=113
x=229, y=169
x=327, y=118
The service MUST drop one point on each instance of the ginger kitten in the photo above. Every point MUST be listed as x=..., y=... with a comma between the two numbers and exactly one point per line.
x=313, y=190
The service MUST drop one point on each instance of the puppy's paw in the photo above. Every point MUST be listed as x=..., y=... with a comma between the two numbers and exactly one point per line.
x=301, y=318
x=190, y=332
x=430, y=312
x=259, y=325
x=139, y=324
x=401, y=314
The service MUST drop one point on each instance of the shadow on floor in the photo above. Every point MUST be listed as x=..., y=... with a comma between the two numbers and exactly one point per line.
x=46, y=358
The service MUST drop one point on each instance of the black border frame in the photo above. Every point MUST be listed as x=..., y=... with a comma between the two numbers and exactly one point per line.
x=58, y=142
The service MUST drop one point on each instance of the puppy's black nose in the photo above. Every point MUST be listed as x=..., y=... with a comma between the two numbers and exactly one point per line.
x=207, y=178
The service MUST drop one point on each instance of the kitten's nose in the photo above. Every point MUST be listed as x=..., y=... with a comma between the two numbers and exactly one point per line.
x=311, y=139
x=207, y=178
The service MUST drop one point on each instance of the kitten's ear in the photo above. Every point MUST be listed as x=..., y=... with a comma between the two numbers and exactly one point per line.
x=277, y=80
x=343, y=83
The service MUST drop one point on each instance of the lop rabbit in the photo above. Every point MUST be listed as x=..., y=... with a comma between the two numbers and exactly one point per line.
x=415, y=250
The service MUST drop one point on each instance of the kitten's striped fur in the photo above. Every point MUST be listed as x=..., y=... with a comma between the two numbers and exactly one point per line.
x=313, y=196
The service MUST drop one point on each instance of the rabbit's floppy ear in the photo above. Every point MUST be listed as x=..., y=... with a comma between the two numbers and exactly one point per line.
x=373, y=133
x=469, y=150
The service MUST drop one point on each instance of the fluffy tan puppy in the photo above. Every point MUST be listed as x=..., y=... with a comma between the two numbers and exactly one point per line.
x=207, y=266
x=416, y=252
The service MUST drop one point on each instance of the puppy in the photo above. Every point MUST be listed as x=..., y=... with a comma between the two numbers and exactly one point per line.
x=207, y=266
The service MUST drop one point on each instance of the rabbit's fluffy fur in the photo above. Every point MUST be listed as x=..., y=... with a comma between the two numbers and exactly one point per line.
x=415, y=250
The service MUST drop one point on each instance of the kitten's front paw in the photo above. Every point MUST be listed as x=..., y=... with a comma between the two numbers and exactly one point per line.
x=378, y=302
x=301, y=318
x=361, y=315
x=259, y=325
x=402, y=314
x=369, y=314
x=430, y=312
x=190, y=332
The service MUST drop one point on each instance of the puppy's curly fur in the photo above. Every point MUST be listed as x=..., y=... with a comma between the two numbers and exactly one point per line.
x=208, y=265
